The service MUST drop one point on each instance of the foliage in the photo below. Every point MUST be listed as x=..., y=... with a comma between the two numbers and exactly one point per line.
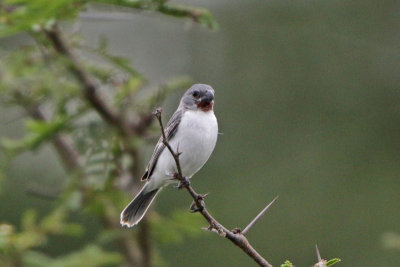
x=287, y=264
x=100, y=155
x=322, y=263
x=26, y=15
x=174, y=228
x=100, y=160
x=333, y=261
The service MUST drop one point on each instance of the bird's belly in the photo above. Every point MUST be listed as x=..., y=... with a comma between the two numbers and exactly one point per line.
x=195, y=139
x=194, y=154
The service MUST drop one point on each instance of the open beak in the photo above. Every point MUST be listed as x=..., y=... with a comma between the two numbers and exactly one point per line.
x=207, y=98
x=206, y=102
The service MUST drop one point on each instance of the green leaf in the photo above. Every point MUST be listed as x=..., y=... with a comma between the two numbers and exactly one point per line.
x=38, y=132
x=28, y=239
x=29, y=220
x=199, y=15
x=160, y=93
x=74, y=200
x=6, y=231
x=27, y=15
x=333, y=261
x=53, y=222
x=175, y=228
x=36, y=259
x=91, y=255
x=287, y=264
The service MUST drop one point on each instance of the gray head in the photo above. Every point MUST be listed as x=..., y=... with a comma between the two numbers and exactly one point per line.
x=198, y=97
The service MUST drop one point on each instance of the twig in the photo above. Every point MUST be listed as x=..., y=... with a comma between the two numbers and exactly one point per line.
x=157, y=113
x=90, y=89
x=43, y=193
x=253, y=222
x=69, y=156
x=235, y=236
x=128, y=130
x=71, y=159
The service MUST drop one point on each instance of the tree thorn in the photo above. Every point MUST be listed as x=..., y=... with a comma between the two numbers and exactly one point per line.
x=253, y=222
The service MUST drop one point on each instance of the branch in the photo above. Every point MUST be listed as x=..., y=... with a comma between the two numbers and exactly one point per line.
x=69, y=156
x=71, y=159
x=235, y=236
x=128, y=130
x=90, y=89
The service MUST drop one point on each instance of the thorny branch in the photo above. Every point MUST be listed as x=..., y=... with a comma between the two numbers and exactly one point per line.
x=70, y=157
x=90, y=88
x=91, y=93
x=235, y=236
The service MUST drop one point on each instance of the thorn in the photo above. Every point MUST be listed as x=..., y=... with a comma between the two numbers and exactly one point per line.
x=210, y=229
x=236, y=230
x=177, y=153
x=318, y=254
x=253, y=222
x=202, y=197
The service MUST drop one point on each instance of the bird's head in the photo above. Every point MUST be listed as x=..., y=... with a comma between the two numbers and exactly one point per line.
x=198, y=97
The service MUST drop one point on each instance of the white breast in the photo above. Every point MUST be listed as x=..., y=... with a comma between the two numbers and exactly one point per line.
x=195, y=138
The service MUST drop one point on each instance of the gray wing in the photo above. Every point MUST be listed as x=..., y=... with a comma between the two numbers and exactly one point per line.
x=170, y=131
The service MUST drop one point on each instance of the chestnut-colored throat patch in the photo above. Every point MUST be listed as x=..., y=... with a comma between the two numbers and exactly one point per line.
x=204, y=106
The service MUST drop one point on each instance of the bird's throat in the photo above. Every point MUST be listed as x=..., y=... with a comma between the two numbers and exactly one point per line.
x=205, y=106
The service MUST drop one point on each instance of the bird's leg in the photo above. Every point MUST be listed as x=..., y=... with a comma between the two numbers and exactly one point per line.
x=183, y=181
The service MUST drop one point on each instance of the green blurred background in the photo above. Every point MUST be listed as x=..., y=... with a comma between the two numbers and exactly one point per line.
x=308, y=103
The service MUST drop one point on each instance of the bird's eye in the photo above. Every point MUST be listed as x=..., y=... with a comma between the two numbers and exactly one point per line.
x=196, y=94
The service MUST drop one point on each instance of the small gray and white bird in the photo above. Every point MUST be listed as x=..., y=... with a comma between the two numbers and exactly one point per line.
x=193, y=131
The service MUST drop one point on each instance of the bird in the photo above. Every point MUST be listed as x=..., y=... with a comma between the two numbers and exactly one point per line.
x=192, y=131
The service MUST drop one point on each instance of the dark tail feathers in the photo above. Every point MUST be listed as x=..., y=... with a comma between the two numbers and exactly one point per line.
x=134, y=212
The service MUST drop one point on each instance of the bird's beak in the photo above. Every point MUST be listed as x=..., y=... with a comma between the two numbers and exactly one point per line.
x=207, y=98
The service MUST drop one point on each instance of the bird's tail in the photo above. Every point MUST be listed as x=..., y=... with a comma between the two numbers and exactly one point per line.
x=134, y=212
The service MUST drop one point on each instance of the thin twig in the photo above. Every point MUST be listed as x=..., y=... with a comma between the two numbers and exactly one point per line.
x=90, y=88
x=157, y=113
x=127, y=129
x=253, y=222
x=71, y=159
x=68, y=154
x=235, y=236
x=43, y=193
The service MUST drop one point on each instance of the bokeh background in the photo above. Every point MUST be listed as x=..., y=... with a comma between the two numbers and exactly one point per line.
x=308, y=103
